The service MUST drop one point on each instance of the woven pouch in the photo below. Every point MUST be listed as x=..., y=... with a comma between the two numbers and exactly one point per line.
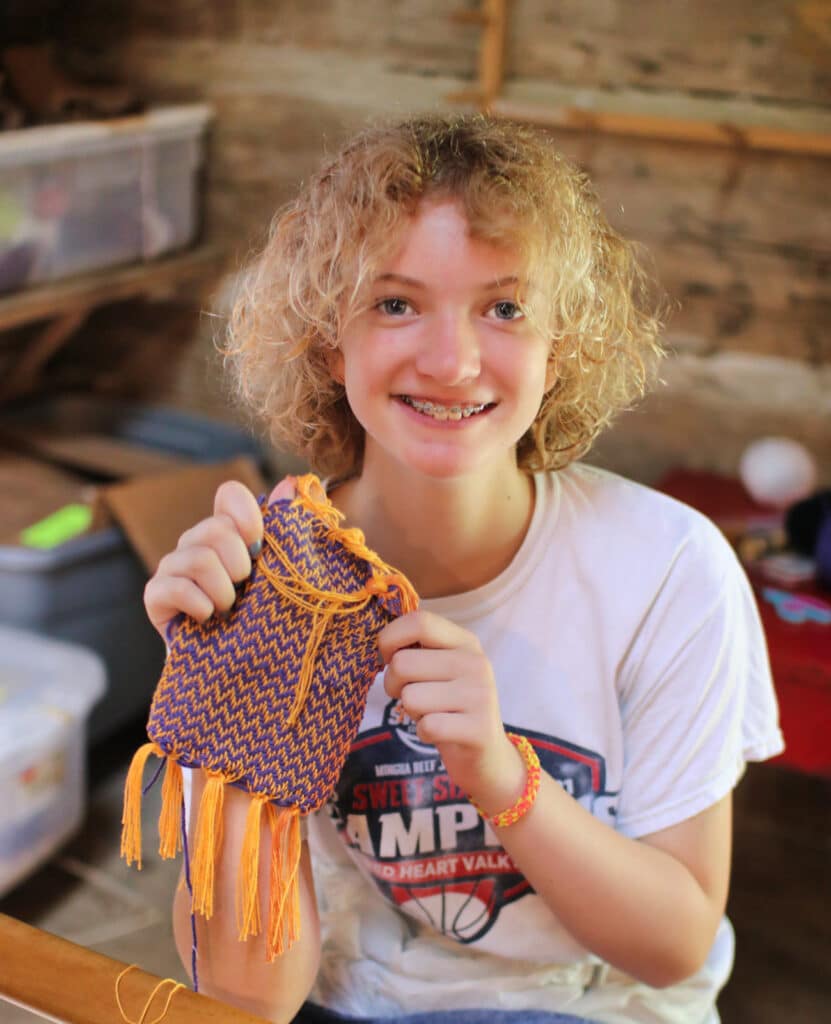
x=269, y=699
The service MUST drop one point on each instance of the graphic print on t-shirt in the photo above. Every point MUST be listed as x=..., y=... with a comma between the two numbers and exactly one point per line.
x=421, y=840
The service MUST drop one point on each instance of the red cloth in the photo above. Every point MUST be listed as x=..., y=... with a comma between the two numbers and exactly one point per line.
x=800, y=651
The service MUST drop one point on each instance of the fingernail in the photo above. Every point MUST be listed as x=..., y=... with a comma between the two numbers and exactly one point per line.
x=255, y=548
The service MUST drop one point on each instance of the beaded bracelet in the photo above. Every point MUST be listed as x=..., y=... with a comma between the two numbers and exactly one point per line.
x=529, y=794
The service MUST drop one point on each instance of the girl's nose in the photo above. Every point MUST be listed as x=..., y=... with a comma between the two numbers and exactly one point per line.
x=450, y=351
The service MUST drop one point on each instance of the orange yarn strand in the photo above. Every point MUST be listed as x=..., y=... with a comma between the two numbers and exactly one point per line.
x=142, y=1019
x=284, y=894
x=300, y=591
x=207, y=843
x=131, y=815
x=248, y=901
x=325, y=604
x=170, y=818
x=318, y=502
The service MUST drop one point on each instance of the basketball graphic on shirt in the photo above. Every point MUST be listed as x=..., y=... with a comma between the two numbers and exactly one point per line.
x=421, y=841
x=463, y=910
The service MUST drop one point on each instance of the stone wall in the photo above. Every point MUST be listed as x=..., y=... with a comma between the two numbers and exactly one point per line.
x=740, y=239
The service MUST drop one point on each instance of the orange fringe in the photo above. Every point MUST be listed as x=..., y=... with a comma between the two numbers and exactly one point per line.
x=170, y=818
x=131, y=815
x=248, y=894
x=284, y=891
x=206, y=845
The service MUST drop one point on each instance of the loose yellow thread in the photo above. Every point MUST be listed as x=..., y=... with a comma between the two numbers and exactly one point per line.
x=142, y=1019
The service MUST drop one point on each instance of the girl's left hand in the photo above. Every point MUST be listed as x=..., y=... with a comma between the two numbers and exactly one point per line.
x=445, y=683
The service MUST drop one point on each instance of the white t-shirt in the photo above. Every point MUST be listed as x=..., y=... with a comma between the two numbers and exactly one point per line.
x=627, y=647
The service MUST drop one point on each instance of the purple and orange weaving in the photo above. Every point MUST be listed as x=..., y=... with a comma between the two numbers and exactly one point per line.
x=269, y=699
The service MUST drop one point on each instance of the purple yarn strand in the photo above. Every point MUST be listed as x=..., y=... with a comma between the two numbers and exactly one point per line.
x=152, y=782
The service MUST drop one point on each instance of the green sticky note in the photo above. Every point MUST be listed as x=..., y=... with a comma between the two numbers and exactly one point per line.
x=58, y=527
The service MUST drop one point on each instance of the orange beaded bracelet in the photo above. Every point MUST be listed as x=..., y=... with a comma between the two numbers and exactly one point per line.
x=529, y=794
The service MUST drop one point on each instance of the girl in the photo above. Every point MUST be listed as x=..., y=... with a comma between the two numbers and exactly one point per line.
x=441, y=324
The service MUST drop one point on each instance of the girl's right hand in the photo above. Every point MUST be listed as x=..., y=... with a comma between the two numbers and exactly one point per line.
x=199, y=577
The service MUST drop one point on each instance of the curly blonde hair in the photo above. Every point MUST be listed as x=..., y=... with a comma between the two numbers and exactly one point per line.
x=585, y=287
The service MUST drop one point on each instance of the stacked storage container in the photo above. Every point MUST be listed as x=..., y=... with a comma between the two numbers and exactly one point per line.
x=80, y=197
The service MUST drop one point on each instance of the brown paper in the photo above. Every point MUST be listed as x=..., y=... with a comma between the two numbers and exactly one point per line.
x=154, y=511
x=89, y=453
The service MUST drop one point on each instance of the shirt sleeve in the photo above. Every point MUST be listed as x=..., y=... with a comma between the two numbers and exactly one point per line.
x=696, y=695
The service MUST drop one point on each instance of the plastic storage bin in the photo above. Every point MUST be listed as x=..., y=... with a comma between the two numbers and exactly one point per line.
x=89, y=590
x=78, y=197
x=47, y=689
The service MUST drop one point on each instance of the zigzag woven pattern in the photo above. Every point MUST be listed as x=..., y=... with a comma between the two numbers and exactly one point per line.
x=225, y=697
x=269, y=699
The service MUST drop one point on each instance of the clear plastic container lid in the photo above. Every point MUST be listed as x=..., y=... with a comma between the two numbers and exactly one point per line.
x=61, y=141
x=44, y=685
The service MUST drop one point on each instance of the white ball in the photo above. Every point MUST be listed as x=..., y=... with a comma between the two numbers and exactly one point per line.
x=777, y=471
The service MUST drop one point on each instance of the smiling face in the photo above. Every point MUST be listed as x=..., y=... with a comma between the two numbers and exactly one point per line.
x=441, y=368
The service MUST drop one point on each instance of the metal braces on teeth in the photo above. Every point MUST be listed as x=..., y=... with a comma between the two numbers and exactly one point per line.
x=440, y=412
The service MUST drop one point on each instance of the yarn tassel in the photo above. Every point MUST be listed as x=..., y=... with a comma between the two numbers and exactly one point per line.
x=284, y=893
x=131, y=815
x=206, y=845
x=170, y=818
x=248, y=889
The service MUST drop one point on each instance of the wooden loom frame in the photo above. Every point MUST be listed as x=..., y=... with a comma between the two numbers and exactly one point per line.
x=65, y=982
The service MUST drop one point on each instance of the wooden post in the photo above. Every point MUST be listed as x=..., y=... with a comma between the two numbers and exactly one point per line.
x=492, y=50
x=492, y=18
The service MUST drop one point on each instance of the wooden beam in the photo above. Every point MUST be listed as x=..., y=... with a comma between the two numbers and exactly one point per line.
x=158, y=279
x=738, y=136
x=64, y=982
